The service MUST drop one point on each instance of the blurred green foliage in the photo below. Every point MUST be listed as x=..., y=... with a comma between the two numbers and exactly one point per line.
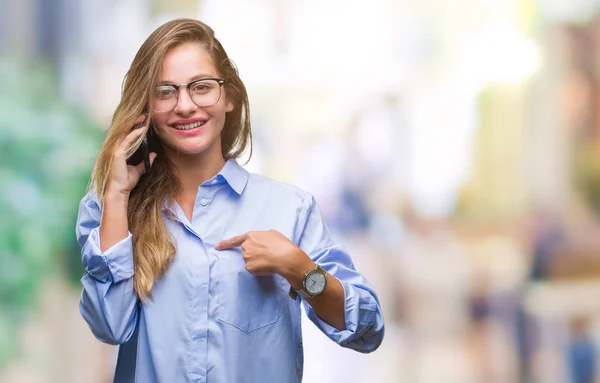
x=47, y=148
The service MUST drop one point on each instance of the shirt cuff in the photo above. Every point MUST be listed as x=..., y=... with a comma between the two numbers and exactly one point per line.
x=359, y=314
x=115, y=264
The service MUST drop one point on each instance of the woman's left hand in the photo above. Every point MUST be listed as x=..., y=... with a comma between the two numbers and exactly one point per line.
x=270, y=252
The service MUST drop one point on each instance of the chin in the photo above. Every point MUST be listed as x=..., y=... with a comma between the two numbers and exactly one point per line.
x=193, y=148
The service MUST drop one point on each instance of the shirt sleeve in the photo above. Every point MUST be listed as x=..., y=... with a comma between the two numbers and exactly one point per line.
x=108, y=302
x=116, y=264
x=364, y=320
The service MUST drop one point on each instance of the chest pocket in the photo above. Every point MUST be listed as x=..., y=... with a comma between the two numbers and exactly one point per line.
x=245, y=301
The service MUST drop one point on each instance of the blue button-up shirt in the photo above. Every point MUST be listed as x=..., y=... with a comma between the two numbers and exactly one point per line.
x=210, y=320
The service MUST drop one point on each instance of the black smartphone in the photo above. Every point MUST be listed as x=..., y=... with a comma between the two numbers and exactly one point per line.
x=143, y=152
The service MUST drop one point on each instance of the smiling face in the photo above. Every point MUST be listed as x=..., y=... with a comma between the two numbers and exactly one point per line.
x=189, y=129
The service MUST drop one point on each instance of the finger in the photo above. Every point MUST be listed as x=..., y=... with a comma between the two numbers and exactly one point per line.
x=232, y=242
x=139, y=121
x=141, y=168
x=130, y=138
x=257, y=270
x=152, y=158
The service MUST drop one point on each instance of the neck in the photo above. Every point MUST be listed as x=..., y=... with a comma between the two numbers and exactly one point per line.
x=192, y=171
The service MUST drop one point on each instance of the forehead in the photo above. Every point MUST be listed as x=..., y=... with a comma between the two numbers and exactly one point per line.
x=187, y=62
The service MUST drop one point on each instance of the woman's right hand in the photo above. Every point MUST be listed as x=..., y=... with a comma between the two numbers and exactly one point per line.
x=122, y=177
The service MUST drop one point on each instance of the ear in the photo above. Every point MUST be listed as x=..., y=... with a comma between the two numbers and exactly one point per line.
x=229, y=106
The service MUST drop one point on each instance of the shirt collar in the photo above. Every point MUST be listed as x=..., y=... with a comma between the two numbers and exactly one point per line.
x=235, y=175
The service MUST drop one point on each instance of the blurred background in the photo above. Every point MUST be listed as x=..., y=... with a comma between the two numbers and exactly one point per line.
x=453, y=146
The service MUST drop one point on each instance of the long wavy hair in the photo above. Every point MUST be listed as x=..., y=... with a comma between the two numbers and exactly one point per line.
x=153, y=246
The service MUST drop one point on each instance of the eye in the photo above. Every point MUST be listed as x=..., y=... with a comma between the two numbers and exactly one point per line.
x=202, y=87
x=165, y=92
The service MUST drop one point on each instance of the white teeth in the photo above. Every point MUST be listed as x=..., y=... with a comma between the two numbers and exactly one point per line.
x=189, y=126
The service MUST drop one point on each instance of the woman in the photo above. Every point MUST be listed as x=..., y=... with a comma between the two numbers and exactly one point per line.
x=194, y=269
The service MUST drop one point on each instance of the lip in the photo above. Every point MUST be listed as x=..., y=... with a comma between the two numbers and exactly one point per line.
x=188, y=121
x=189, y=132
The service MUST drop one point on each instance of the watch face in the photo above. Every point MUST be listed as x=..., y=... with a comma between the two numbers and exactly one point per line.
x=315, y=283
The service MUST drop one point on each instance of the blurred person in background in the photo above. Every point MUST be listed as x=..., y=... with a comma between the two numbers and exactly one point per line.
x=198, y=269
x=581, y=352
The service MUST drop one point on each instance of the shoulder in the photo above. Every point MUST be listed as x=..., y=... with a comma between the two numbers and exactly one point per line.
x=278, y=190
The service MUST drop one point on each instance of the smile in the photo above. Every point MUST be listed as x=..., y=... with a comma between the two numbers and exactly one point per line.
x=193, y=125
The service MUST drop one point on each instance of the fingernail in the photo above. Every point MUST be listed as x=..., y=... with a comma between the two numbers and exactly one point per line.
x=218, y=246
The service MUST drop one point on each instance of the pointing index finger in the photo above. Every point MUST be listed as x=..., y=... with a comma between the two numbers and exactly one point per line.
x=232, y=242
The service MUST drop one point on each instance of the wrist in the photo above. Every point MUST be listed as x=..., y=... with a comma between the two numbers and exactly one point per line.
x=114, y=196
x=295, y=271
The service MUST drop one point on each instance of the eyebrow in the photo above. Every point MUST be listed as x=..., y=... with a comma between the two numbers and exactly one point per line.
x=196, y=77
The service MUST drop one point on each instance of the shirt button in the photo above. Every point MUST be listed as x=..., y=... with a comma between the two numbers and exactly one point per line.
x=204, y=202
x=214, y=181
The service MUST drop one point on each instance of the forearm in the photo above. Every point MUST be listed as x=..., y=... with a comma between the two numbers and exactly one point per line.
x=113, y=225
x=329, y=305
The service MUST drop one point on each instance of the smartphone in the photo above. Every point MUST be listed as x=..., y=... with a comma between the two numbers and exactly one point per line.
x=143, y=152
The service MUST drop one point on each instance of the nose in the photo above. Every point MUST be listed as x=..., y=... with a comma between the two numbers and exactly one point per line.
x=185, y=105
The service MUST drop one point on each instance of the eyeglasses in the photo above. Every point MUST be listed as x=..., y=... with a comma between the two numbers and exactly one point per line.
x=204, y=92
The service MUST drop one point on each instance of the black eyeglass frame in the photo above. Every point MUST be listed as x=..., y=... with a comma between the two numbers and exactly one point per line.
x=219, y=81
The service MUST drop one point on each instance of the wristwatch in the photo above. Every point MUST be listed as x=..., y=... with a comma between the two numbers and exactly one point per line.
x=313, y=284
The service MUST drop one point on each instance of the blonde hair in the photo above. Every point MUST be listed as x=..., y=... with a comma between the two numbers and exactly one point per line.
x=153, y=247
